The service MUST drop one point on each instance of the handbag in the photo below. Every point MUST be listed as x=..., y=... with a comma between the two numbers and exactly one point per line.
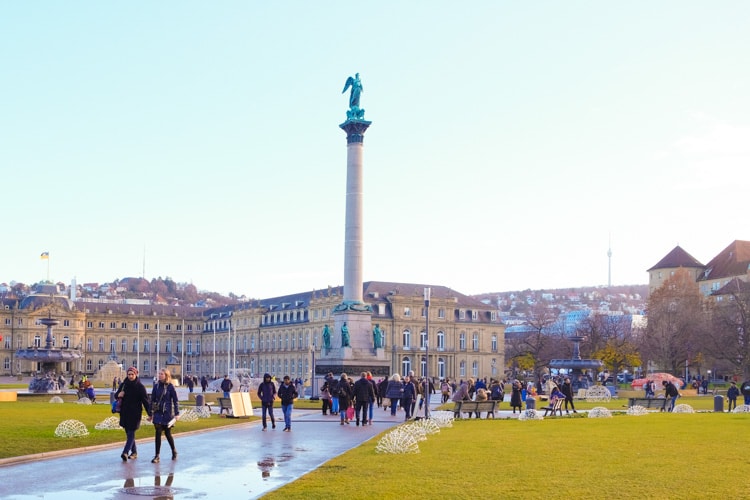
x=350, y=413
x=117, y=402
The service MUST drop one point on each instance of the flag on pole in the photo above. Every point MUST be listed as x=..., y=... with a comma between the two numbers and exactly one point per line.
x=45, y=255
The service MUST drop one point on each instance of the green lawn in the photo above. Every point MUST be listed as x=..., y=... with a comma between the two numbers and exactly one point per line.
x=29, y=426
x=659, y=455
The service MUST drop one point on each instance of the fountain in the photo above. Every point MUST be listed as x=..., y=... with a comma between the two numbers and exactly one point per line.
x=49, y=380
x=576, y=365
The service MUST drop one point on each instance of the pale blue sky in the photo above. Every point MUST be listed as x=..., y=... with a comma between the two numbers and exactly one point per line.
x=509, y=140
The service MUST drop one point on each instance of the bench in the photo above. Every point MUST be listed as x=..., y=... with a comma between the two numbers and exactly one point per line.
x=660, y=403
x=554, y=407
x=225, y=404
x=475, y=407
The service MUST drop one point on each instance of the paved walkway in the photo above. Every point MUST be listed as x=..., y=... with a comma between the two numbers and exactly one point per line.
x=240, y=462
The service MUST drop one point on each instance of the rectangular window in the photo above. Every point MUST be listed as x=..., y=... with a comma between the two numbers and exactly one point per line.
x=89, y=324
x=124, y=325
x=474, y=315
x=101, y=324
x=493, y=315
x=66, y=322
x=461, y=314
x=441, y=313
x=112, y=325
x=407, y=312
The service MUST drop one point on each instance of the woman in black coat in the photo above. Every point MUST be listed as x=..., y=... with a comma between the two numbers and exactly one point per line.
x=166, y=410
x=346, y=393
x=134, y=400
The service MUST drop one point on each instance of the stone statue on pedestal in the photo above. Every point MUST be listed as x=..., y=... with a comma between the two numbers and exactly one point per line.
x=377, y=336
x=326, y=337
x=345, y=335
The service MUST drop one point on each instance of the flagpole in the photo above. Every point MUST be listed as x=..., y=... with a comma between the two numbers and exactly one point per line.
x=182, y=351
x=138, y=349
x=213, y=325
x=229, y=345
x=158, y=347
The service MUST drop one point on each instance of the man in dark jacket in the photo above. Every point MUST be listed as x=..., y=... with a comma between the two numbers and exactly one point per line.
x=226, y=386
x=363, y=394
x=266, y=395
x=671, y=392
x=287, y=394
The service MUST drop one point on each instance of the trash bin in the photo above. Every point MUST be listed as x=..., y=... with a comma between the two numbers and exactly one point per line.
x=719, y=403
x=530, y=403
x=199, y=400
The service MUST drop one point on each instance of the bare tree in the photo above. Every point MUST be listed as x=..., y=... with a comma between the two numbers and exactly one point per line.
x=730, y=326
x=676, y=323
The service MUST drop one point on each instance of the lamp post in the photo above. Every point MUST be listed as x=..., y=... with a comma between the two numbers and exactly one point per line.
x=312, y=371
x=427, y=353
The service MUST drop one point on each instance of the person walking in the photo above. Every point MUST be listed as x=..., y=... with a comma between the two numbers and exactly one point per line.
x=134, y=401
x=325, y=397
x=226, y=386
x=267, y=395
x=332, y=388
x=344, y=390
x=445, y=390
x=410, y=393
x=516, y=400
x=732, y=393
x=394, y=392
x=165, y=411
x=204, y=383
x=671, y=393
x=745, y=390
x=363, y=395
x=287, y=393
x=371, y=406
x=567, y=390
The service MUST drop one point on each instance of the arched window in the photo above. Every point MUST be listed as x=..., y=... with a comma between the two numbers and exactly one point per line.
x=474, y=369
x=462, y=369
x=441, y=367
x=441, y=340
x=423, y=339
x=89, y=365
x=462, y=341
x=405, y=365
x=123, y=345
x=423, y=367
x=407, y=339
x=494, y=343
x=475, y=341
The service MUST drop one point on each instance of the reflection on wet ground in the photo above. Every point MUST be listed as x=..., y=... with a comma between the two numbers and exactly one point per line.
x=211, y=464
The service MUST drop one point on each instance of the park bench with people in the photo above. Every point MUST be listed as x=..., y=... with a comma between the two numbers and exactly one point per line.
x=554, y=407
x=659, y=403
x=475, y=407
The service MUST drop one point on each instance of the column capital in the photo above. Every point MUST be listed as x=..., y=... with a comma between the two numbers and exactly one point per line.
x=355, y=130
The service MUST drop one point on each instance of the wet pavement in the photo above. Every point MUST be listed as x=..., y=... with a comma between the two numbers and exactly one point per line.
x=240, y=462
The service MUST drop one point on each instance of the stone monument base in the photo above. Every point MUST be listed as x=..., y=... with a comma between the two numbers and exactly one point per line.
x=360, y=355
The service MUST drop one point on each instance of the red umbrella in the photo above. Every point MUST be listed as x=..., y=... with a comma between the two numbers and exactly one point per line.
x=658, y=378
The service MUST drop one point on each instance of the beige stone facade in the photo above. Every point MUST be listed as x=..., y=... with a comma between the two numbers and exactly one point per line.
x=466, y=337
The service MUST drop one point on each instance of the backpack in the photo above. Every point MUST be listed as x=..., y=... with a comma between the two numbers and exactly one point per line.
x=497, y=393
x=335, y=391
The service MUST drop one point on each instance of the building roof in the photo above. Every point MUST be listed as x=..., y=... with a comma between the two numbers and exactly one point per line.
x=734, y=260
x=677, y=258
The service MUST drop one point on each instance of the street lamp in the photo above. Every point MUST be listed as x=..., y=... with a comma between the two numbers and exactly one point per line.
x=427, y=352
x=312, y=382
